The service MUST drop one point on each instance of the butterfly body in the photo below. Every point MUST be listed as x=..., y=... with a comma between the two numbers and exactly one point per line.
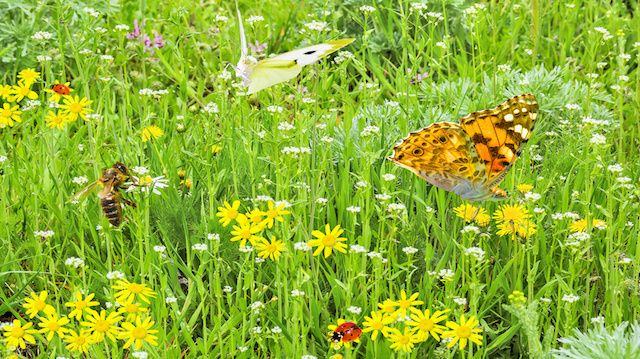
x=472, y=157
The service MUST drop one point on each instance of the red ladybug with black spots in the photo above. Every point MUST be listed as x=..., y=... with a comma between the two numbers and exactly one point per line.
x=61, y=89
x=346, y=332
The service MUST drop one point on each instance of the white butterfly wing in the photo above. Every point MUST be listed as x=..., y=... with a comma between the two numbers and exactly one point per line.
x=309, y=55
x=284, y=67
x=272, y=71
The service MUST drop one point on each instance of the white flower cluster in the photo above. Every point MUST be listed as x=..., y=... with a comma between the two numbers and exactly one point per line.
x=152, y=93
x=295, y=151
x=74, y=262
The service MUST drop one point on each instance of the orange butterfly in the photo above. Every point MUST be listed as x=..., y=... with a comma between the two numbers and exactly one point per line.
x=471, y=158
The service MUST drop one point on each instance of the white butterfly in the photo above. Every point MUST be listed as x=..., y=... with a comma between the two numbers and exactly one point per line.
x=258, y=75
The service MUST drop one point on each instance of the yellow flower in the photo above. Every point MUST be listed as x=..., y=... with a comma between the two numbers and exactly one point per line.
x=38, y=303
x=139, y=333
x=471, y=213
x=271, y=250
x=256, y=216
x=81, y=305
x=388, y=306
x=9, y=114
x=406, y=303
x=228, y=213
x=54, y=96
x=132, y=309
x=129, y=291
x=511, y=213
x=581, y=225
x=74, y=107
x=101, y=324
x=151, y=133
x=56, y=119
x=5, y=92
x=524, y=187
x=377, y=323
x=53, y=325
x=464, y=332
x=20, y=91
x=78, y=341
x=524, y=228
x=328, y=241
x=337, y=345
x=215, y=149
x=188, y=183
x=29, y=76
x=16, y=335
x=246, y=231
x=404, y=341
x=427, y=324
x=275, y=213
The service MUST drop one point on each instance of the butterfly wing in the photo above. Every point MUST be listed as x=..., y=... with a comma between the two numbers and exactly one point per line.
x=284, y=67
x=499, y=133
x=272, y=71
x=312, y=54
x=243, y=39
x=443, y=155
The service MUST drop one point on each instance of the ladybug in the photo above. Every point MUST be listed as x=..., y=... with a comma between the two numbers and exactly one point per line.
x=61, y=89
x=346, y=332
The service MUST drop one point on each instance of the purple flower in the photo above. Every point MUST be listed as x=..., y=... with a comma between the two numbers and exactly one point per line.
x=158, y=41
x=419, y=77
x=258, y=48
x=136, y=31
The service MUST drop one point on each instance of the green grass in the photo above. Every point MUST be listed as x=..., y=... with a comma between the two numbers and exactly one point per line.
x=550, y=49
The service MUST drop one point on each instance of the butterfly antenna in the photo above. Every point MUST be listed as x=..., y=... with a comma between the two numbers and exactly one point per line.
x=243, y=39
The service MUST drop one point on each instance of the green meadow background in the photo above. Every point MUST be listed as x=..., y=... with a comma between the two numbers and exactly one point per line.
x=319, y=144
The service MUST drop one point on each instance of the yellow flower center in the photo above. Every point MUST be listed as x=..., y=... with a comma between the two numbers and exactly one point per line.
x=17, y=332
x=329, y=240
x=463, y=332
x=377, y=325
x=136, y=288
x=101, y=326
x=75, y=107
x=139, y=333
x=256, y=218
x=404, y=339
x=245, y=233
x=271, y=248
x=39, y=305
x=80, y=340
x=232, y=213
x=145, y=181
x=404, y=303
x=53, y=326
x=7, y=112
x=24, y=91
x=272, y=213
x=131, y=308
x=426, y=324
x=81, y=305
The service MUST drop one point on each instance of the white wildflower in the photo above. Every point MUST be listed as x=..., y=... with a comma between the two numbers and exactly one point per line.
x=410, y=250
x=115, y=275
x=200, y=247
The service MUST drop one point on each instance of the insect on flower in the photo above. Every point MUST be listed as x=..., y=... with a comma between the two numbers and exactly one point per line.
x=113, y=179
x=61, y=89
x=346, y=332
